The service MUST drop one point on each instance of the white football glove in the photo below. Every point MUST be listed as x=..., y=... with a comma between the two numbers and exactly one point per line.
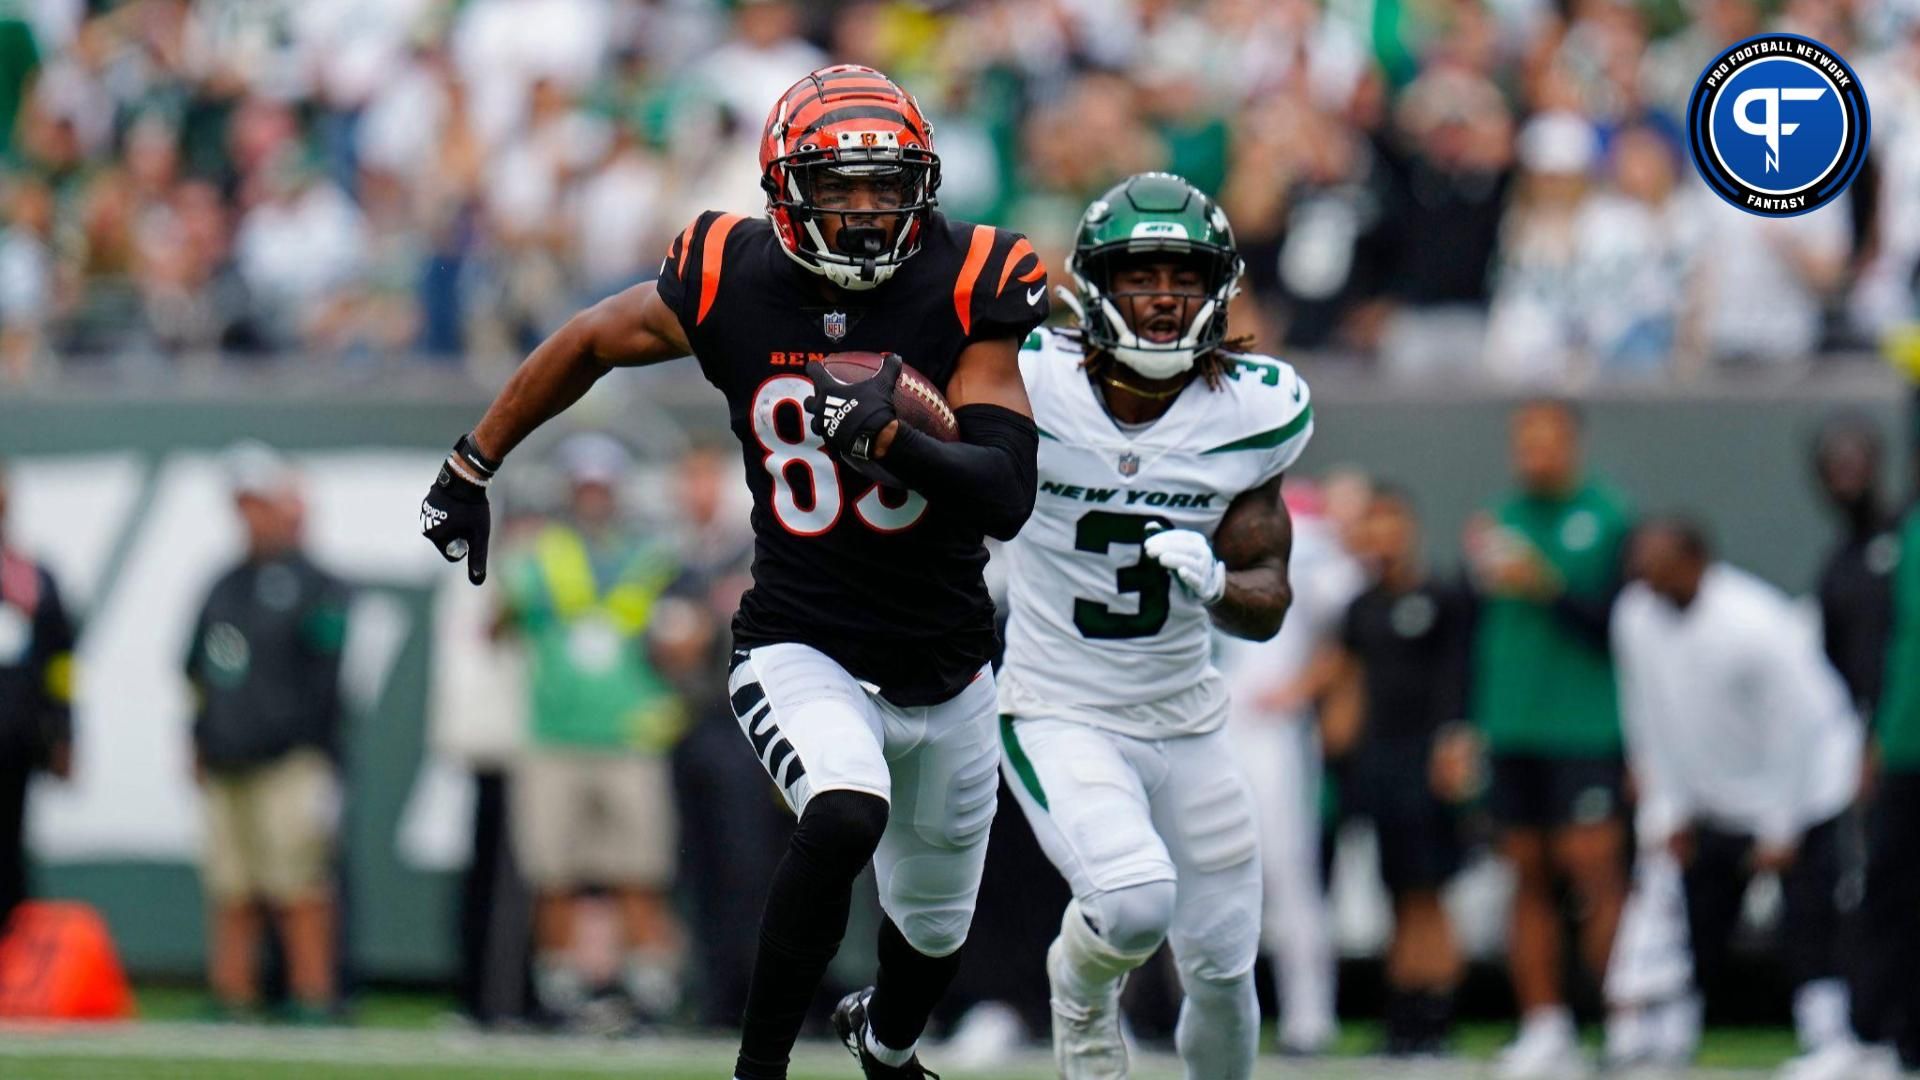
x=1189, y=556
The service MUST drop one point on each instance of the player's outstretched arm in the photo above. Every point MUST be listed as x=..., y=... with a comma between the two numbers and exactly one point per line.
x=629, y=328
x=990, y=476
x=1254, y=540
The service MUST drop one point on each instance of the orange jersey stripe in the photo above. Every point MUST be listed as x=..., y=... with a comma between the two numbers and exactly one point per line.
x=1020, y=250
x=711, y=255
x=977, y=251
x=680, y=251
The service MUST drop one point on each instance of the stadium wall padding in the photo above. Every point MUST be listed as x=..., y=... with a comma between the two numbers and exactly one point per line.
x=1741, y=463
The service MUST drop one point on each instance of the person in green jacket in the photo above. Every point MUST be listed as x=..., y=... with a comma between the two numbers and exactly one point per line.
x=1886, y=999
x=592, y=800
x=1547, y=563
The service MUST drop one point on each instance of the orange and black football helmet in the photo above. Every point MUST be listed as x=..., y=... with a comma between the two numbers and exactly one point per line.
x=839, y=125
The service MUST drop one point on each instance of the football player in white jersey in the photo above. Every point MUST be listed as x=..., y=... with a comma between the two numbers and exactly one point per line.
x=1158, y=518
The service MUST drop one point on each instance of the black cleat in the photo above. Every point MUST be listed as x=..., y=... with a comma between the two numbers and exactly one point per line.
x=850, y=1023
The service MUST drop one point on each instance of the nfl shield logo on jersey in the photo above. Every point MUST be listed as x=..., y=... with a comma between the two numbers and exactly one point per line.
x=834, y=324
x=1129, y=463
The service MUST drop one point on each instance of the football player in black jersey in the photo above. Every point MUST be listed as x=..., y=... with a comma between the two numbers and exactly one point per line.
x=861, y=673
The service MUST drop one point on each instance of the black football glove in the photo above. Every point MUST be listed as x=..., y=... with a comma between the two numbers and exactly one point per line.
x=454, y=516
x=849, y=417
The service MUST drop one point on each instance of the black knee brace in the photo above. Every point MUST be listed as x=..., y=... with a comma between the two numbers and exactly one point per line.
x=840, y=830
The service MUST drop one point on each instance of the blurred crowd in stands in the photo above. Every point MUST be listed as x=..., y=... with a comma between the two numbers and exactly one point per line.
x=1443, y=187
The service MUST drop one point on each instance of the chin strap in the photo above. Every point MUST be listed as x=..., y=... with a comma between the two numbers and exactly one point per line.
x=1072, y=300
x=1151, y=395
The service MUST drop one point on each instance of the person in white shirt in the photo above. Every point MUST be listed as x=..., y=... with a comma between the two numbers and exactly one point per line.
x=1746, y=754
x=1273, y=726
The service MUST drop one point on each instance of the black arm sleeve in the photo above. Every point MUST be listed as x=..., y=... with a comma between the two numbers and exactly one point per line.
x=989, y=476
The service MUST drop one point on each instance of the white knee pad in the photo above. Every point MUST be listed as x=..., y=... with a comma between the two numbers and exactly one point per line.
x=937, y=932
x=931, y=898
x=1133, y=920
x=1094, y=965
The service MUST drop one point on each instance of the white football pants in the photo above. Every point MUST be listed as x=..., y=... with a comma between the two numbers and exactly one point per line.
x=1120, y=815
x=815, y=728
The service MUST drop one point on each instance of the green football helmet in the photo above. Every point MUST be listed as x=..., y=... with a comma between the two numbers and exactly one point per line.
x=1151, y=217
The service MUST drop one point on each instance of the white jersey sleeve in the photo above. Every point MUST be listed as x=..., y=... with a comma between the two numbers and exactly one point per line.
x=1281, y=445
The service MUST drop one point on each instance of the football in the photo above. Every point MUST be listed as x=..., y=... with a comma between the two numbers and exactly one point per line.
x=916, y=402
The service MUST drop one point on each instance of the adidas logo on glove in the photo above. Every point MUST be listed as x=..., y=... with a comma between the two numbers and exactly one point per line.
x=836, y=411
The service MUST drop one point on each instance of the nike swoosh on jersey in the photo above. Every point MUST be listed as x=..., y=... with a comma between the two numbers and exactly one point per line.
x=1034, y=294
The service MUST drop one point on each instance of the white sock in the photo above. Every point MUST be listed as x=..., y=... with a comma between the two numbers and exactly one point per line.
x=1093, y=968
x=1675, y=1029
x=1629, y=1033
x=886, y=1055
x=1219, y=1031
x=1820, y=1012
x=651, y=981
x=559, y=987
x=1550, y=1020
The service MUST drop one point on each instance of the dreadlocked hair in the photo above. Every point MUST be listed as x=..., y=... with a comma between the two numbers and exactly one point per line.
x=1214, y=365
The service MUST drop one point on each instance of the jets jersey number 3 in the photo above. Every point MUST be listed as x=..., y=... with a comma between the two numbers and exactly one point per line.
x=1094, y=622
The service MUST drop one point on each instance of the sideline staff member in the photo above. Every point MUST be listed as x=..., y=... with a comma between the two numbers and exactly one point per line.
x=1746, y=751
x=1405, y=650
x=1548, y=565
x=36, y=694
x=265, y=663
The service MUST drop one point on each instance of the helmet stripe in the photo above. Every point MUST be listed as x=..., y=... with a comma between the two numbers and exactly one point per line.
x=820, y=78
x=819, y=81
x=712, y=253
x=810, y=118
x=977, y=250
x=860, y=112
x=809, y=104
x=807, y=93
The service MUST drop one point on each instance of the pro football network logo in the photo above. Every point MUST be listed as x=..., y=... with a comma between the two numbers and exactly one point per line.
x=1778, y=125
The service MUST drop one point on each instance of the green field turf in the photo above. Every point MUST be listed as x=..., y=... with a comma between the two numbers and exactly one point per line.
x=180, y=1051
x=412, y=1037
